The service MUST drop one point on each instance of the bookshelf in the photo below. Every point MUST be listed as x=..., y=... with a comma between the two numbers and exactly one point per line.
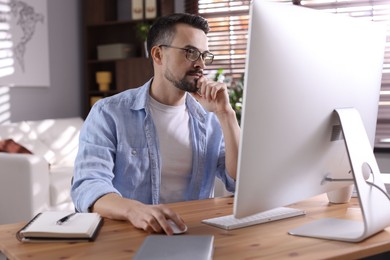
x=105, y=23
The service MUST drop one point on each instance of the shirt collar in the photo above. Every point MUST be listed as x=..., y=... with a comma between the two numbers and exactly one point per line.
x=141, y=101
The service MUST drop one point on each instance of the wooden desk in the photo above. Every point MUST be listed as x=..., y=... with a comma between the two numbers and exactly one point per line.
x=120, y=240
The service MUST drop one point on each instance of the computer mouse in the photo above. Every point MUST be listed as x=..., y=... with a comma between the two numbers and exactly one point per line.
x=175, y=228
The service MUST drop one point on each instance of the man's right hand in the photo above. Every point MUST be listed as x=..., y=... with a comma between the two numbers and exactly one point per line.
x=151, y=218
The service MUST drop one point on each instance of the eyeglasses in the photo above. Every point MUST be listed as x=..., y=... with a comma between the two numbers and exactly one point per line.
x=193, y=54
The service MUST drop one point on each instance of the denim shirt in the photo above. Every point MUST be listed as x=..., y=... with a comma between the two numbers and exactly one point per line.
x=119, y=152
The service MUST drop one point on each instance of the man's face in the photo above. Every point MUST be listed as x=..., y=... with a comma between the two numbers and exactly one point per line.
x=180, y=71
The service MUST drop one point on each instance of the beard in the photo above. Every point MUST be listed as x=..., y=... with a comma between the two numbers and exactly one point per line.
x=183, y=83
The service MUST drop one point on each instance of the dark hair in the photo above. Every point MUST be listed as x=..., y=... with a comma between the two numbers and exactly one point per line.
x=163, y=30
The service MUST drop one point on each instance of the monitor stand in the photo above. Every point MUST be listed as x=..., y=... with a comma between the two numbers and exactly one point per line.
x=374, y=203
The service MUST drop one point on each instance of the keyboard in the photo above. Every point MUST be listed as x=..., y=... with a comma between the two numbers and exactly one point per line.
x=229, y=222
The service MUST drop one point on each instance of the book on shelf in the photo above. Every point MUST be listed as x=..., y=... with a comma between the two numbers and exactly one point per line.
x=61, y=226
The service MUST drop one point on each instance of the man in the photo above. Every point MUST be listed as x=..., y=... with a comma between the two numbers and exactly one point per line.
x=163, y=142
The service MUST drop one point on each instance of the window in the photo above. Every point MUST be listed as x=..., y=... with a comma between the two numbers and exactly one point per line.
x=6, y=58
x=377, y=11
x=6, y=54
x=228, y=20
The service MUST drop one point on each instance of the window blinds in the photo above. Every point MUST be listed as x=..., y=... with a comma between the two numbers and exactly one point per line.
x=228, y=21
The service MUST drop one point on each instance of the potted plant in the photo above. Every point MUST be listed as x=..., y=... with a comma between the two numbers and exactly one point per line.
x=142, y=34
x=235, y=88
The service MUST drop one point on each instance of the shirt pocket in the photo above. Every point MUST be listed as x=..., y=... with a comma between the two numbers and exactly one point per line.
x=138, y=159
x=133, y=166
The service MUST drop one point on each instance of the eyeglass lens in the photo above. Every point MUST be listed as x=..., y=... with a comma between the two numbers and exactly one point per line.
x=194, y=55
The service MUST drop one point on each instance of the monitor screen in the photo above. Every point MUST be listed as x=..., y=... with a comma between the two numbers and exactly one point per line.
x=302, y=64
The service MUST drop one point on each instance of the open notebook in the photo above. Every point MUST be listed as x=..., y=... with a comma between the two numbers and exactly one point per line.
x=46, y=226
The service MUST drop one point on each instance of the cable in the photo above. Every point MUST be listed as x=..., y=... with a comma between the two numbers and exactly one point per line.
x=379, y=188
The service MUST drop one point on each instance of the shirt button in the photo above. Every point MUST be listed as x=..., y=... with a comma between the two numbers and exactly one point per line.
x=134, y=152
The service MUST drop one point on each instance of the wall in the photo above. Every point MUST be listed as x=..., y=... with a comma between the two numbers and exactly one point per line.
x=63, y=97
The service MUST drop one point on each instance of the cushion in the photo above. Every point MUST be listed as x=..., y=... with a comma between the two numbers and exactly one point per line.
x=38, y=148
x=61, y=136
x=10, y=146
x=21, y=133
x=15, y=131
x=60, y=184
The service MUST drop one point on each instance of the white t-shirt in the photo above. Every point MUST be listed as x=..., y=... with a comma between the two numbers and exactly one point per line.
x=172, y=125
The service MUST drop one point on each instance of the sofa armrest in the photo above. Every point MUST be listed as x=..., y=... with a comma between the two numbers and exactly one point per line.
x=24, y=187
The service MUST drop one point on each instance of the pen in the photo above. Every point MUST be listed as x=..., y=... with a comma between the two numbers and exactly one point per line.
x=64, y=219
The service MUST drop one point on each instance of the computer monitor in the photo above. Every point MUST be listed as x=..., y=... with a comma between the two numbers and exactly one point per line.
x=305, y=70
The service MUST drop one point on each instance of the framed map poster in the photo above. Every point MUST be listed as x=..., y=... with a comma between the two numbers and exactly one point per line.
x=24, y=46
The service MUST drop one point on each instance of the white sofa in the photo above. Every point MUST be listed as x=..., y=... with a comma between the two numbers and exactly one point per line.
x=30, y=183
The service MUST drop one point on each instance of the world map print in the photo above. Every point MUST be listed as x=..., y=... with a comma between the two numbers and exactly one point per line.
x=26, y=18
x=24, y=43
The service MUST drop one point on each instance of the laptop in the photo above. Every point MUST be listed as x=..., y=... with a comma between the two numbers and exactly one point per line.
x=188, y=247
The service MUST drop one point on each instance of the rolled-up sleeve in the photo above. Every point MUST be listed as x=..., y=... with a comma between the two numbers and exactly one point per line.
x=95, y=161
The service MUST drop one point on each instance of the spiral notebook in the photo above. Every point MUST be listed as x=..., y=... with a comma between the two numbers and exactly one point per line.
x=61, y=226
